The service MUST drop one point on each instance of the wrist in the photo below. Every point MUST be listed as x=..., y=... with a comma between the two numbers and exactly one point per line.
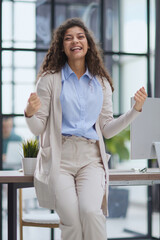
x=138, y=109
x=26, y=115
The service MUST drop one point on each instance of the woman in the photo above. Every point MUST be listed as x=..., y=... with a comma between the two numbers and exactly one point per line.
x=71, y=110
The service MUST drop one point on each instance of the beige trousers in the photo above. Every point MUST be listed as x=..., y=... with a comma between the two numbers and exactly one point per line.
x=80, y=190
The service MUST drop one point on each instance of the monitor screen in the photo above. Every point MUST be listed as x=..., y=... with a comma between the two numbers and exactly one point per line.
x=145, y=130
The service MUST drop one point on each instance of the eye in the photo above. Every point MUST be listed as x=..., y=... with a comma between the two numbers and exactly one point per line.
x=81, y=37
x=67, y=38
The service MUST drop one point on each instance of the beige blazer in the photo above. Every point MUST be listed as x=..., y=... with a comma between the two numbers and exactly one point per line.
x=47, y=124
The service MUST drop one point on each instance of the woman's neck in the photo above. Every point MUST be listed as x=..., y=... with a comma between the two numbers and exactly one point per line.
x=78, y=67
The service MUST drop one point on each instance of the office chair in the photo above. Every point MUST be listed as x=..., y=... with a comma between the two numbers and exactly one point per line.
x=49, y=220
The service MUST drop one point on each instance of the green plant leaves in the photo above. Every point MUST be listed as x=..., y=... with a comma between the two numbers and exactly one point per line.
x=117, y=144
x=30, y=148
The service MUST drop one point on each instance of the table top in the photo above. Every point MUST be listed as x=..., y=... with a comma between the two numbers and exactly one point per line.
x=152, y=174
x=134, y=175
x=14, y=177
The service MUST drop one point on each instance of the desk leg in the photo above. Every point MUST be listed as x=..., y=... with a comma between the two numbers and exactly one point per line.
x=1, y=212
x=149, y=213
x=12, y=212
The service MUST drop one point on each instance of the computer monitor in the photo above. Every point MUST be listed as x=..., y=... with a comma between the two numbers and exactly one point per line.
x=145, y=131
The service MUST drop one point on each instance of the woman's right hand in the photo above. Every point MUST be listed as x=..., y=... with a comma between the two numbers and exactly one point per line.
x=33, y=105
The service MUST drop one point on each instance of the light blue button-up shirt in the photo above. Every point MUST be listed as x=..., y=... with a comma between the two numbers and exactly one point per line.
x=81, y=101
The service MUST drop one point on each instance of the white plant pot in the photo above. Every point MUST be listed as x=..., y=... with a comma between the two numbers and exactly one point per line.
x=29, y=166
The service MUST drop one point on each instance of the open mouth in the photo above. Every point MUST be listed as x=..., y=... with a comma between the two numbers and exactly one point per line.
x=76, y=48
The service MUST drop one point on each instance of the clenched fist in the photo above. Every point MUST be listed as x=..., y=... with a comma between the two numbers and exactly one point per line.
x=33, y=105
x=140, y=97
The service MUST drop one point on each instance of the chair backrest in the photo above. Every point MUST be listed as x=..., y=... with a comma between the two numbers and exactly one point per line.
x=25, y=195
x=50, y=220
x=29, y=193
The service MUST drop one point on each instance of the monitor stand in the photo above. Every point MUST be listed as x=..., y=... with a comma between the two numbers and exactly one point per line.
x=157, y=148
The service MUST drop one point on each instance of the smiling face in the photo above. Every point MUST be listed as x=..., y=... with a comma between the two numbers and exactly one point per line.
x=75, y=44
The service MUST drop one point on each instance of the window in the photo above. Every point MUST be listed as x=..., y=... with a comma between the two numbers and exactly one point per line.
x=126, y=32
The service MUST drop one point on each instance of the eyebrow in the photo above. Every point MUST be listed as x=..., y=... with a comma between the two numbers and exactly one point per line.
x=71, y=34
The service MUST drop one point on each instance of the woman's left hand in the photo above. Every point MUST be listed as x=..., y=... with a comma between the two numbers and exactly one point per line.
x=140, y=97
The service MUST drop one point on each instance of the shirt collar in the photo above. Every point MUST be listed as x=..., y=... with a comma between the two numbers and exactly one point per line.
x=67, y=71
x=87, y=73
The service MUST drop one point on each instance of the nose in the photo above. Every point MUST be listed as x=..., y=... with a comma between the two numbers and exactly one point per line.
x=75, y=40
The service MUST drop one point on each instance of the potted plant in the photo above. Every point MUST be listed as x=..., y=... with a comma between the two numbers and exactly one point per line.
x=29, y=160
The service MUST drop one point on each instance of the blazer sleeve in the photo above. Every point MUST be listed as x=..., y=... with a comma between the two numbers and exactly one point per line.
x=109, y=125
x=37, y=123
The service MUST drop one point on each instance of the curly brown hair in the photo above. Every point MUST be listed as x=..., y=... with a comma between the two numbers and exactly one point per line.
x=56, y=58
